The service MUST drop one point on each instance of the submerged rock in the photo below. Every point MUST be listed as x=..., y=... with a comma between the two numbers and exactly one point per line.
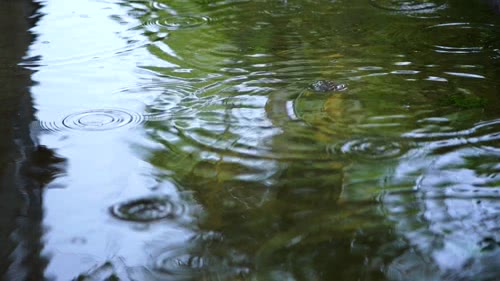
x=327, y=86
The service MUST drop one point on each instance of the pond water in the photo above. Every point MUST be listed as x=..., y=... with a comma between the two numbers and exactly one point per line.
x=186, y=140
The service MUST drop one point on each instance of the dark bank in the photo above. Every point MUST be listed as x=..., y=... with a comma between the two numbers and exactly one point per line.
x=24, y=166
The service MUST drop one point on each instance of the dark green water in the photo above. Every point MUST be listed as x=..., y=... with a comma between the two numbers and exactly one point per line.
x=197, y=149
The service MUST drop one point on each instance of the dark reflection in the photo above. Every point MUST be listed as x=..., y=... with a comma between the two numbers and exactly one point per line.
x=495, y=5
x=25, y=168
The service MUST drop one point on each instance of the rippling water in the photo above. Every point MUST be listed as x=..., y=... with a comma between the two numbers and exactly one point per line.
x=200, y=147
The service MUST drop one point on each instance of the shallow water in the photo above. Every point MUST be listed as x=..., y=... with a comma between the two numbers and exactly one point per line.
x=186, y=141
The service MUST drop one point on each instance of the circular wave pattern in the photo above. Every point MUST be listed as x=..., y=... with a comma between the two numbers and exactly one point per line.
x=50, y=126
x=99, y=120
x=158, y=6
x=147, y=209
x=180, y=264
x=371, y=148
x=178, y=22
x=87, y=55
x=198, y=263
x=484, y=135
x=210, y=236
x=420, y=6
x=165, y=104
x=464, y=37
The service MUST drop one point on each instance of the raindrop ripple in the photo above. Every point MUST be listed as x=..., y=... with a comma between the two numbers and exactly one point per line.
x=463, y=37
x=178, y=22
x=370, y=148
x=99, y=120
x=147, y=209
x=180, y=263
x=198, y=264
x=422, y=6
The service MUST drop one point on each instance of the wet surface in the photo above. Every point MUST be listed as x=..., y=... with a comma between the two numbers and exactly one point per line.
x=253, y=140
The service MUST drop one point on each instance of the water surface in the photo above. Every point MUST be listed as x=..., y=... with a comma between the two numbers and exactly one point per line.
x=196, y=148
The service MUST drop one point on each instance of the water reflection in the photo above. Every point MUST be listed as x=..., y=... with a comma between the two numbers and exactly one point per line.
x=83, y=112
x=232, y=167
x=455, y=198
x=287, y=177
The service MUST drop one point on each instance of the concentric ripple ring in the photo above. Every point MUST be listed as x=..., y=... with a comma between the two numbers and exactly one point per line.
x=371, y=148
x=178, y=263
x=407, y=5
x=463, y=37
x=146, y=209
x=101, y=119
x=177, y=22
